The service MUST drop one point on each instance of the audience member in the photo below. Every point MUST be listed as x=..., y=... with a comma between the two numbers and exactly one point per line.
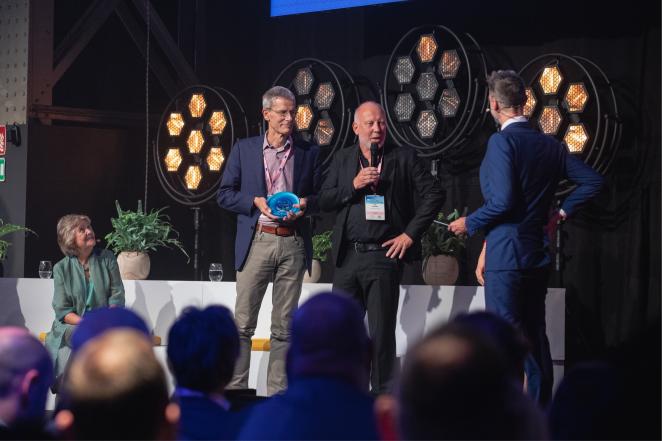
x=26, y=373
x=203, y=346
x=328, y=372
x=117, y=389
x=456, y=384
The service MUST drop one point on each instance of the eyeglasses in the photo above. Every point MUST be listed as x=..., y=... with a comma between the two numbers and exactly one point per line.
x=284, y=113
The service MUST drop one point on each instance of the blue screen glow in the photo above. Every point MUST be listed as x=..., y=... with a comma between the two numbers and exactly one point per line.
x=288, y=7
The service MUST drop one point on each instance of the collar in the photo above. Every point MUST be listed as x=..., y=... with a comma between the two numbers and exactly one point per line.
x=514, y=119
x=266, y=145
x=216, y=398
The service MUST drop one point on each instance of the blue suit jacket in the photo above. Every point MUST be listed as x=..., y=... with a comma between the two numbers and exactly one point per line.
x=518, y=178
x=202, y=418
x=313, y=408
x=243, y=180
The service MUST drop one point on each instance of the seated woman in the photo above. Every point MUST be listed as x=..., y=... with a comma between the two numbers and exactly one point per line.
x=87, y=278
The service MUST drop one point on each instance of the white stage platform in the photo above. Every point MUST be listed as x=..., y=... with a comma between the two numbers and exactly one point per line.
x=27, y=302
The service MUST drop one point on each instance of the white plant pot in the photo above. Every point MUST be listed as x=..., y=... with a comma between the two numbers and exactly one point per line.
x=315, y=273
x=133, y=265
x=440, y=270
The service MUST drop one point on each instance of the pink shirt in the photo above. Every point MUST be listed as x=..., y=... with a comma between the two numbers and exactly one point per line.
x=283, y=181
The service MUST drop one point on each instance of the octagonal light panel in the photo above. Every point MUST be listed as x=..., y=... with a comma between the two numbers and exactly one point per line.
x=175, y=124
x=215, y=159
x=324, y=96
x=173, y=159
x=404, y=70
x=550, y=80
x=427, y=86
x=576, y=138
x=217, y=122
x=576, y=97
x=193, y=177
x=404, y=107
x=197, y=105
x=303, y=117
x=531, y=102
x=449, y=64
x=426, y=124
x=324, y=132
x=426, y=48
x=303, y=81
x=550, y=120
x=195, y=141
x=449, y=102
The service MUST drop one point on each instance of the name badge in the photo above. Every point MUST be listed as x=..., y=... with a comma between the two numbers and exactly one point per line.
x=375, y=209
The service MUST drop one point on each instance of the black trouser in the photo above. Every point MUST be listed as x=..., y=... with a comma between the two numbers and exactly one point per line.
x=374, y=281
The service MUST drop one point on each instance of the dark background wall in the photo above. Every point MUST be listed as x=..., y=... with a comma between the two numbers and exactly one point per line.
x=612, y=248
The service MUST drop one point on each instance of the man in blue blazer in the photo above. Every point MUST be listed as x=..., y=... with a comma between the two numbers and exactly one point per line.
x=269, y=248
x=518, y=178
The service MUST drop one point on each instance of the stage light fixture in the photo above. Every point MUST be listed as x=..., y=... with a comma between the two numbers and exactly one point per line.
x=217, y=122
x=550, y=120
x=197, y=105
x=304, y=117
x=426, y=48
x=572, y=99
x=449, y=64
x=303, y=81
x=404, y=107
x=576, y=97
x=426, y=124
x=324, y=96
x=449, y=102
x=324, y=132
x=193, y=177
x=550, y=80
x=325, y=93
x=575, y=138
x=404, y=70
x=427, y=86
x=175, y=124
x=531, y=102
x=215, y=159
x=195, y=141
x=172, y=159
x=435, y=99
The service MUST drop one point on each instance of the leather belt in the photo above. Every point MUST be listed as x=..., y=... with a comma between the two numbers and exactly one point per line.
x=277, y=230
x=365, y=247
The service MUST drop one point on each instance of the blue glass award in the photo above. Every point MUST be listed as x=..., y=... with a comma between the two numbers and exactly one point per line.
x=282, y=203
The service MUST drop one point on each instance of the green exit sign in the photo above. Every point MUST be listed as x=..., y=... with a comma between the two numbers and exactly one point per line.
x=2, y=169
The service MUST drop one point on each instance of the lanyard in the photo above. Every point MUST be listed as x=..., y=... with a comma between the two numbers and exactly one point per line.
x=267, y=176
x=379, y=171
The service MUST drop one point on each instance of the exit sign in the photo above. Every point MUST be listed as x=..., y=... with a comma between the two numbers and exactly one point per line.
x=2, y=169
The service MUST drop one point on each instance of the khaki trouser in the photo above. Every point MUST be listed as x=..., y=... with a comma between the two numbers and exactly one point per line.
x=281, y=260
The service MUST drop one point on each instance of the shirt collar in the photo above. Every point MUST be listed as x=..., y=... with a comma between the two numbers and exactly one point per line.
x=266, y=145
x=514, y=119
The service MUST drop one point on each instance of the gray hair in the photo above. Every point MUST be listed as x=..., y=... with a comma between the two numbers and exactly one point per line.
x=66, y=232
x=276, y=92
x=507, y=88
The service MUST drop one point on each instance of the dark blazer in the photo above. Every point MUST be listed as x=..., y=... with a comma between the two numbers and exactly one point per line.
x=518, y=178
x=243, y=180
x=404, y=178
x=202, y=418
x=313, y=408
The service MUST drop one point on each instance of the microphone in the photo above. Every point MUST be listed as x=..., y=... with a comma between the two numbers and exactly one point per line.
x=373, y=154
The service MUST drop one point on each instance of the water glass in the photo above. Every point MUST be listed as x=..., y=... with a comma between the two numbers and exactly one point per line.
x=45, y=269
x=215, y=272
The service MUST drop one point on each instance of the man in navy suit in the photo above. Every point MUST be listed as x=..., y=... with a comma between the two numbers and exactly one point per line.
x=268, y=248
x=518, y=179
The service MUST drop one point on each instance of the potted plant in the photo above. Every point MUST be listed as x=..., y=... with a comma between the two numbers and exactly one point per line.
x=440, y=251
x=135, y=233
x=4, y=244
x=321, y=246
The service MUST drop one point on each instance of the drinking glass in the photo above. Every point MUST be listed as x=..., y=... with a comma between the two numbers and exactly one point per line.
x=45, y=269
x=215, y=272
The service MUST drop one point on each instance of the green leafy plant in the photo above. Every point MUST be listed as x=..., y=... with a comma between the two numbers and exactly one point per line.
x=438, y=240
x=141, y=232
x=8, y=229
x=321, y=245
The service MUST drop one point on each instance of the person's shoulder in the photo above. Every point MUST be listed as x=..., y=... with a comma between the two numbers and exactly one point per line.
x=249, y=142
x=62, y=264
x=302, y=144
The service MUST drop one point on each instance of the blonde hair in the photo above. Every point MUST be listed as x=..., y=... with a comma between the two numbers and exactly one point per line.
x=66, y=232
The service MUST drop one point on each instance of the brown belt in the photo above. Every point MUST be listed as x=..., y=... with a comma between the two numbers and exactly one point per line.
x=278, y=231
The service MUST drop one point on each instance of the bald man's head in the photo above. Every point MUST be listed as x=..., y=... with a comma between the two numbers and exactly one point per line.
x=117, y=388
x=370, y=124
